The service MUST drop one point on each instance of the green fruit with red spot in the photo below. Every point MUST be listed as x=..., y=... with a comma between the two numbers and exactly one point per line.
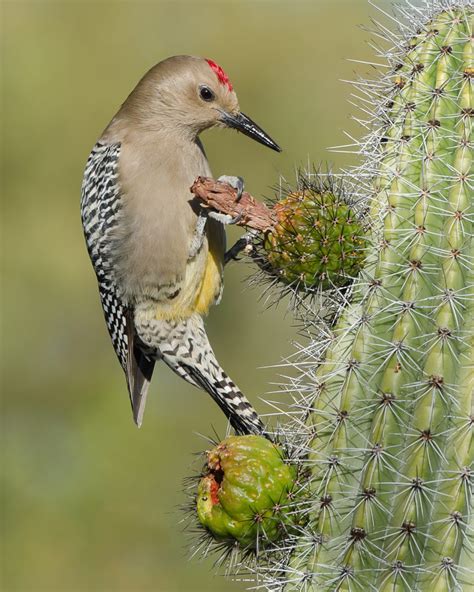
x=245, y=493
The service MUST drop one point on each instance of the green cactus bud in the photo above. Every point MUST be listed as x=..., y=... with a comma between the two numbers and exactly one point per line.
x=318, y=240
x=246, y=491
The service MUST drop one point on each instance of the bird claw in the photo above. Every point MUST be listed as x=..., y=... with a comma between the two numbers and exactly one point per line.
x=243, y=244
x=237, y=219
x=236, y=182
x=226, y=218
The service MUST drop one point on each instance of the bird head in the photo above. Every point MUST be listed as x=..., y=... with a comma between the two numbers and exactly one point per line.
x=191, y=94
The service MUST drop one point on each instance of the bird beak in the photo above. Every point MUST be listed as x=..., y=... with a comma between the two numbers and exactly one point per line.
x=244, y=124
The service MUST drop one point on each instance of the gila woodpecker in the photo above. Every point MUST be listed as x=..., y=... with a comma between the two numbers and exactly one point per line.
x=157, y=254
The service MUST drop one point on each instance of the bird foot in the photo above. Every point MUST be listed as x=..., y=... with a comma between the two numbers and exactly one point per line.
x=243, y=244
x=238, y=184
x=235, y=182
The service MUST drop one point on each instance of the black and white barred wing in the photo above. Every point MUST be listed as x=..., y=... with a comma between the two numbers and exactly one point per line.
x=100, y=211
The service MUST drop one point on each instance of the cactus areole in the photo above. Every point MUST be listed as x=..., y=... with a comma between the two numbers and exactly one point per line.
x=245, y=493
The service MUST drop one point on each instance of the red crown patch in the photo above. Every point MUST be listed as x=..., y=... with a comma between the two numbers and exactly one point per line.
x=221, y=75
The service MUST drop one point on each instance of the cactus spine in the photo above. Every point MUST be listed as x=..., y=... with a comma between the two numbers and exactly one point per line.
x=391, y=423
x=388, y=390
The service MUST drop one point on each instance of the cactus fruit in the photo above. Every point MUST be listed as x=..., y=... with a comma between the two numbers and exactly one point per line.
x=246, y=491
x=318, y=239
x=387, y=395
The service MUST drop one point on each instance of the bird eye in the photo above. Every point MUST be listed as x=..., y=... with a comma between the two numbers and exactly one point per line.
x=206, y=94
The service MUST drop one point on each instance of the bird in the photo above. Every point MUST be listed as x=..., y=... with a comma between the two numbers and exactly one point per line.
x=158, y=255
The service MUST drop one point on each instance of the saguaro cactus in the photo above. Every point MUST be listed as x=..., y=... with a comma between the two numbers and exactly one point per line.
x=391, y=421
x=389, y=404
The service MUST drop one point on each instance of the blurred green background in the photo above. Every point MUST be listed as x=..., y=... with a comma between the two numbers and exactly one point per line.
x=90, y=503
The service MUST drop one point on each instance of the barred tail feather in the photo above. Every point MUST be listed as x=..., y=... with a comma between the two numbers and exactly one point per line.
x=240, y=413
x=139, y=373
x=184, y=346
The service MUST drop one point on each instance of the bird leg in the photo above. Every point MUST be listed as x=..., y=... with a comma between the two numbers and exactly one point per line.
x=238, y=184
x=243, y=244
x=220, y=198
x=199, y=234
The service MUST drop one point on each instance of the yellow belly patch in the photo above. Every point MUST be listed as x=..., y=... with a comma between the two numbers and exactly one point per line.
x=210, y=285
x=200, y=293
